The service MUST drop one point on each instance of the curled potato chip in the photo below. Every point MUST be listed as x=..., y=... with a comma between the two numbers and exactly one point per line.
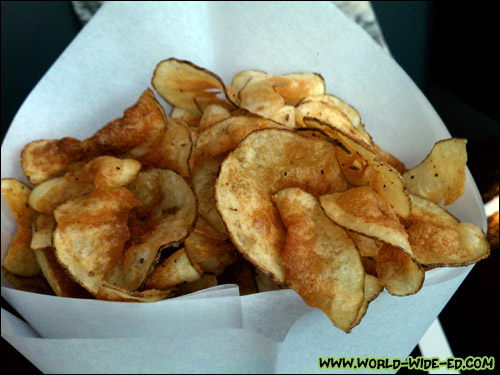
x=20, y=259
x=296, y=86
x=181, y=82
x=438, y=239
x=106, y=172
x=213, y=113
x=166, y=217
x=362, y=210
x=44, y=159
x=322, y=263
x=259, y=97
x=203, y=183
x=173, y=151
x=49, y=194
x=59, y=281
x=91, y=233
x=175, y=269
x=441, y=175
x=325, y=112
x=110, y=292
x=204, y=228
x=399, y=273
x=267, y=161
x=134, y=134
x=285, y=116
x=382, y=177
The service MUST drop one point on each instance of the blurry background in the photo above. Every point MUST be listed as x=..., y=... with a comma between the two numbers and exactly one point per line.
x=445, y=47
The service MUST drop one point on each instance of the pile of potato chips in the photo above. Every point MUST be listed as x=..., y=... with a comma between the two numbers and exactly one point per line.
x=267, y=183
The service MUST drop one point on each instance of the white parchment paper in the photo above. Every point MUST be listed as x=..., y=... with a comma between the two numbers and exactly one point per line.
x=103, y=71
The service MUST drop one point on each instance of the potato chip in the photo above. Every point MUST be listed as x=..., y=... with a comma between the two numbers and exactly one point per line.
x=225, y=135
x=267, y=161
x=212, y=114
x=59, y=281
x=190, y=119
x=322, y=263
x=49, y=194
x=372, y=289
x=173, y=151
x=44, y=159
x=204, y=228
x=438, y=239
x=106, y=172
x=363, y=211
x=326, y=113
x=259, y=97
x=285, y=116
x=441, y=175
x=240, y=79
x=42, y=232
x=296, y=86
x=368, y=247
x=399, y=273
x=203, y=182
x=91, y=233
x=181, y=82
x=165, y=218
x=109, y=292
x=209, y=253
x=382, y=177
x=135, y=134
x=20, y=259
x=175, y=269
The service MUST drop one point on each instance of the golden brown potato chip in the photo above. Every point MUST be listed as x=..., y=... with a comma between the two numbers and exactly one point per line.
x=322, y=263
x=441, y=175
x=44, y=159
x=265, y=283
x=165, y=218
x=59, y=281
x=181, y=82
x=175, y=269
x=297, y=86
x=20, y=259
x=240, y=79
x=135, y=134
x=106, y=172
x=438, y=239
x=382, y=177
x=267, y=161
x=109, y=292
x=42, y=232
x=362, y=210
x=259, y=97
x=400, y=274
x=373, y=288
x=33, y=284
x=91, y=233
x=203, y=182
x=173, y=151
x=325, y=112
x=212, y=114
x=49, y=194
